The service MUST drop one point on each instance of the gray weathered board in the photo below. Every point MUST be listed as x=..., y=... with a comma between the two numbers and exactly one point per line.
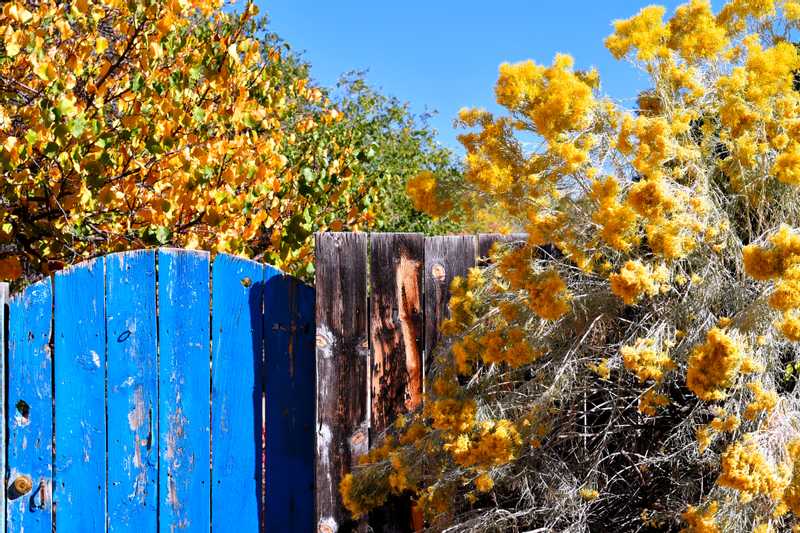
x=381, y=298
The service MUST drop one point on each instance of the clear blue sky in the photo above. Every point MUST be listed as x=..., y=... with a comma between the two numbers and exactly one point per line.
x=443, y=54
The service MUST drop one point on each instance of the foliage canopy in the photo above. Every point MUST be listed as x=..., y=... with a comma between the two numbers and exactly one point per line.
x=126, y=124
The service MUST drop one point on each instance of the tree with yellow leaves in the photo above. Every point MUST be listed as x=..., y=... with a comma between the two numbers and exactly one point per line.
x=126, y=124
x=631, y=366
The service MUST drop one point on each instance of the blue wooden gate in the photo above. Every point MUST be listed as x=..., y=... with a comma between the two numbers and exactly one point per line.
x=156, y=391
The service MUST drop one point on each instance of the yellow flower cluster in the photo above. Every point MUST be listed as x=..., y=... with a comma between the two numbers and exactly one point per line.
x=655, y=147
x=509, y=346
x=505, y=345
x=695, y=33
x=555, y=98
x=700, y=520
x=636, y=279
x=548, y=296
x=484, y=483
x=764, y=401
x=791, y=496
x=735, y=13
x=451, y=415
x=765, y=263
x=496, y=443
x=360, y=495
x=646, y=361
x=646, y=33
x=617, y=221
x=399, y=479
x=650, y=401
x=714, y=365
x=514, y=267
x=589, y=494
x=745, y=468
x=779, y=261
x=721, y=423
x=724, y=422
x=789, y=325
x=462, y=303
x=424, y=193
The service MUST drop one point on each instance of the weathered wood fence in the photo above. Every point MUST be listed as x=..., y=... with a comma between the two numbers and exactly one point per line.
x=380, y=300
x=155, y=391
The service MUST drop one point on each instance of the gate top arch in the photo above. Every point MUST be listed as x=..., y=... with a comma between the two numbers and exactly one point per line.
x=160, y=389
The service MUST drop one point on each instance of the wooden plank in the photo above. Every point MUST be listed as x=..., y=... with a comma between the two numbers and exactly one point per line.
x=237, y=389
x=290, y=393
x=396, y=341
x=184, y=376
x=445, y=258
x=486, y=240
x=30, y=439
x=80, y=381
x=342, y=352
x=3, y=355
x=132, y=391
x=396, y=325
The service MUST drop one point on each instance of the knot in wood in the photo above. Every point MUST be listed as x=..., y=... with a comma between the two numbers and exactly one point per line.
x=438, y=272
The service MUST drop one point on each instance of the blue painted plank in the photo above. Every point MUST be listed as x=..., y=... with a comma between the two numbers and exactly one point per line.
x=290, y=387
x=3, y=303
x=30, y=419
x=132, y=391
x=236, y=401
x=183, y=381
x=80, y=380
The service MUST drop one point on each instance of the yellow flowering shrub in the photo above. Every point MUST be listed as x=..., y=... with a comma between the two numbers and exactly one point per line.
x=625, y=366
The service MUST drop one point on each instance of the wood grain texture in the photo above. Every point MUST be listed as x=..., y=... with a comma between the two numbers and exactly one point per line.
x=396, y=325
x=30, y=420
x=184, y=376
x=3, y=357
x=132, y=391
x=445, y=258
x=290, y=393
x=342, y=353
x=396, y=344
x=236, y=393
x=80, y=381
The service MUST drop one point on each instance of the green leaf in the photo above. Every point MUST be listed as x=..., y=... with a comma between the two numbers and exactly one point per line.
x=31, y=136
x=163, y=234
x=137, y=82
x=77, y=126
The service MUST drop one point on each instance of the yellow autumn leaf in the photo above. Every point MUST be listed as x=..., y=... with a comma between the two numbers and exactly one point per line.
x=12, y=48
x=155, y=49
x=101, y=45
x=19, y=13
x=44, y=71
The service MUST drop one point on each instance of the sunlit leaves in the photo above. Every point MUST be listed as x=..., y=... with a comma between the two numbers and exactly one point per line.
x=131, y=124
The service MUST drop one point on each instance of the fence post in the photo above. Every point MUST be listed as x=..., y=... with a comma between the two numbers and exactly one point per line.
x=342, y=355
x=3, y=439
